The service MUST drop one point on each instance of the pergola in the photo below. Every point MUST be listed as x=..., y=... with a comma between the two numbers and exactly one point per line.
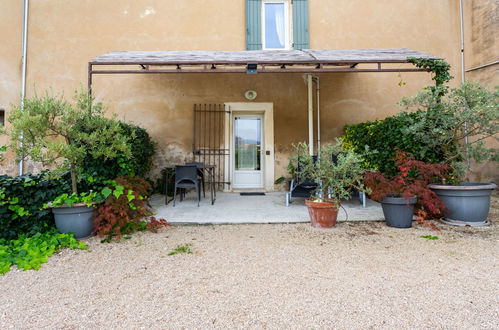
x=255, y=61
x=307, y=61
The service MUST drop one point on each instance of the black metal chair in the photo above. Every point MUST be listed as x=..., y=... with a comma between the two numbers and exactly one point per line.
x=200, y=174
x=300, y=187
x=186, y=176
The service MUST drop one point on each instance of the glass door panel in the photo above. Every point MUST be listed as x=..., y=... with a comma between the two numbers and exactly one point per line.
x=247, y=143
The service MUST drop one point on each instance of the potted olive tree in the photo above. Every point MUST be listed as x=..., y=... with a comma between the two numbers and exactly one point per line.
x=53, y=131
x=459, y=123
x=337, y=173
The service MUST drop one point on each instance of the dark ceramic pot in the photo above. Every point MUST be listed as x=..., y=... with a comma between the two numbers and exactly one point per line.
x=398, y=211
x=76, y=219
x=468, y=204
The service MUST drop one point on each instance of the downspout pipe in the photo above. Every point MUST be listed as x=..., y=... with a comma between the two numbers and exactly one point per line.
x=310, y=115
x=318, y=92
x=24, y=65
x=461, y=24
x=463, y=70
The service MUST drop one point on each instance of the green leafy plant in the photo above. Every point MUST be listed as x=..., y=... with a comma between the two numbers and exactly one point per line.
x=125, y=210
x=280, y=180
x=97, y=170
x=53, y=131
x=385, y=137
x=429, y=237
x=30, y=252
x=336, y=171
x=181, y=249
x=87, y=198
x=439, y=67
x=469, y=113
x=21, y=203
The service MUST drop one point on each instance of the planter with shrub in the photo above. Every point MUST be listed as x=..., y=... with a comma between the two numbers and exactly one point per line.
x=337, y=172
x=401, y=193
x=459, y=123
x=55, y=132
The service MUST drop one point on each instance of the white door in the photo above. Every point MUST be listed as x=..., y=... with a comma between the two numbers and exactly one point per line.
x=247, y=155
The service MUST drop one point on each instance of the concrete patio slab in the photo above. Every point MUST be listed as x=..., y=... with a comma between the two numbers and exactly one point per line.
x=231, y=208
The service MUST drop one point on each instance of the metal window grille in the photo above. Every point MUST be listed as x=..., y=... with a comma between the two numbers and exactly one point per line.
x=209, y=144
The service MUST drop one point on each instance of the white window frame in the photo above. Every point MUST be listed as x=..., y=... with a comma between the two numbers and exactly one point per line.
x=287, y=24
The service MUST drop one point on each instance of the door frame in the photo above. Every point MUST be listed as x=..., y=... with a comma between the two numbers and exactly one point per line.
x=266, y=109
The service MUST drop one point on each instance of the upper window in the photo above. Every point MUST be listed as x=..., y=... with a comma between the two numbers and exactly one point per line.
x=275, y=25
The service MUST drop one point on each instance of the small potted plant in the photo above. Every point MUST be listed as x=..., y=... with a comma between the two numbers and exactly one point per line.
x=459, y=123
x=55, y=132
x=336, y=171
x=399, y=194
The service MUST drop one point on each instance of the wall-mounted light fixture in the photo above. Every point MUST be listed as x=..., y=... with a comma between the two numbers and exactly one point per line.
x=250, y=95
x=251, y=68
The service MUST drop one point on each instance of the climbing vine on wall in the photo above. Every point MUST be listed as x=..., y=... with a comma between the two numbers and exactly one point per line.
x=439, y=67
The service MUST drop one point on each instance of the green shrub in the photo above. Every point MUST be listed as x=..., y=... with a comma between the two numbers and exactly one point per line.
x=30, y=252
x=98, y=170
x=385, y=137
x=21, y=203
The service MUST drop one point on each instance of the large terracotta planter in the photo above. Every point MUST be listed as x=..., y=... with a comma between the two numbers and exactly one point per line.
x=322, y=214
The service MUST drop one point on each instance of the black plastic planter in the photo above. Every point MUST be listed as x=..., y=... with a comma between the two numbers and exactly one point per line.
x=76, y=219
x=468, y=204
x=398, y=211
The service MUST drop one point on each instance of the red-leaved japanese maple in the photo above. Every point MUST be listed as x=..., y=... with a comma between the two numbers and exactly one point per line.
x=412, y=179
x=125, y=214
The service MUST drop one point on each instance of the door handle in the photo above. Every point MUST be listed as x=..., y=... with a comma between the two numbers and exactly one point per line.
x=267, y=152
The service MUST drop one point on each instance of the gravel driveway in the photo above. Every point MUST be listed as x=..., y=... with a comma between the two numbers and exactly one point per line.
x=355, y=276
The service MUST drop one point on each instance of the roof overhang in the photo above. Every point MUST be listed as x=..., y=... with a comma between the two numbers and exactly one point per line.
x=266, y=61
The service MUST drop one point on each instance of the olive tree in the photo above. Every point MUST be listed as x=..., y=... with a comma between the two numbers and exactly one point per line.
x=458, y=124
x=51, y=130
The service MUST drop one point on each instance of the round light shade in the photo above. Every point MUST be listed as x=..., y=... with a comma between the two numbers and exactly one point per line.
x=250, y=94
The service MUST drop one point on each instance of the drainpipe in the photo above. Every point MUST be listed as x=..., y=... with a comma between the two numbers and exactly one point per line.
x=461, y=23
x=23, y=74
x=318, y=91
x=310, y=115
x=463, y=78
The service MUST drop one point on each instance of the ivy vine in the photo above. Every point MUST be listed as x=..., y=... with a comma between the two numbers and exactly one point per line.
x=440, y=69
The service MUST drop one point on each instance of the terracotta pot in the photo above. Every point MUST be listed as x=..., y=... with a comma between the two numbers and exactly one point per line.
x=322, y=214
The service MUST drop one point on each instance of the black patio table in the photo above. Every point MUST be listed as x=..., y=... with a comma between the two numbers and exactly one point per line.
x=208, y=170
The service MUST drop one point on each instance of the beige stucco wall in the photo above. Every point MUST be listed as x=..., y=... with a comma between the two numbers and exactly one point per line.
x=481, y=19
x=65, y=35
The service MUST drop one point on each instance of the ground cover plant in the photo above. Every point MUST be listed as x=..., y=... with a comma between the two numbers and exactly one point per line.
x=30, y=252
x=181, y=249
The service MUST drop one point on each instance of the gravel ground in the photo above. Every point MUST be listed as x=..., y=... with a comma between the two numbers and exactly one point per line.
x=354, y=276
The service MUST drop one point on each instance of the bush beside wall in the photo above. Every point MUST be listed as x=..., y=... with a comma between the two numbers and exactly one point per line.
x=385, y=137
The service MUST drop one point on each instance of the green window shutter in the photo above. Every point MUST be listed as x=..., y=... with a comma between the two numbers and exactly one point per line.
x=300, y=24
x=253, y=24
